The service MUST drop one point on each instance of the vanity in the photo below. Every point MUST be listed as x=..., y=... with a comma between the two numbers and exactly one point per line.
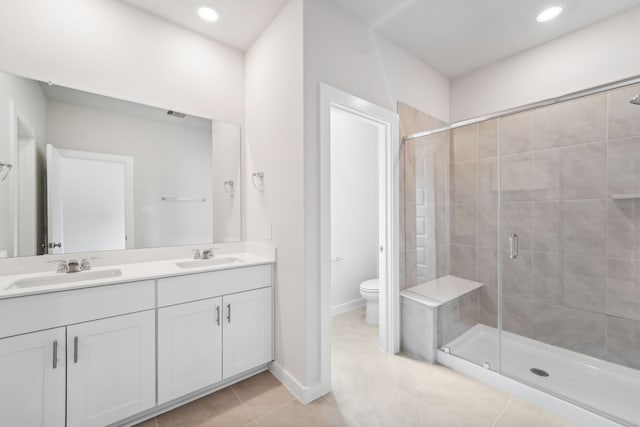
x=106, y=317
x=121, y=348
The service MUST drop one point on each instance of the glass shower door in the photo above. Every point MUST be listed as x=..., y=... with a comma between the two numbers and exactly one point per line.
x=569, y=236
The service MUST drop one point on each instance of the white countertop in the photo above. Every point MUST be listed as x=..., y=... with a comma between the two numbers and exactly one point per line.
x=130, y=273
x=440, y=291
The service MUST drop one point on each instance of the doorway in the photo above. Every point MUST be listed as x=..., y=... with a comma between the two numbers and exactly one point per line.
x=341, y=109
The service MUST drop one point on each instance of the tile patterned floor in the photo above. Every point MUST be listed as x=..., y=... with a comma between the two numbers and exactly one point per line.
x=370, y=388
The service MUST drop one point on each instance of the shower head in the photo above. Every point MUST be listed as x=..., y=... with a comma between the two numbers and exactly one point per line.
x=635, y=100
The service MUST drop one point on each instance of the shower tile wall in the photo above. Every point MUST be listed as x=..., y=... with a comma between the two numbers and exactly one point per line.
x=576, y=281
x=423, y=193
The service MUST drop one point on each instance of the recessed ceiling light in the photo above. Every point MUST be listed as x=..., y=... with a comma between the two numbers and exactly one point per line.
x=208, y=14
x=549, y=14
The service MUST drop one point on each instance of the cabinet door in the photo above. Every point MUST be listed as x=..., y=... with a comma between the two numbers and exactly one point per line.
x=247, y=331
x=110, y=369
x=32, y=379
x=189, y=348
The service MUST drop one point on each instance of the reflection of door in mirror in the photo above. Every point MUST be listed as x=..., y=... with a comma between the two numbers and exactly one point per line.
x=22, y=183
x=90, y=201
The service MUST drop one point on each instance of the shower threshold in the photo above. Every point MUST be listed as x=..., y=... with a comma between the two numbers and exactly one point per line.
x=604, y=387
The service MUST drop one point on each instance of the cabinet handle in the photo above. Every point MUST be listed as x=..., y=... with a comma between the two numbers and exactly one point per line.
x=55, y=354
x=228, y=313
x=75, y=350
x=218, y=315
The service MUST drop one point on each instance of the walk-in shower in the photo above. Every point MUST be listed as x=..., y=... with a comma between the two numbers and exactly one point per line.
x=561, y=312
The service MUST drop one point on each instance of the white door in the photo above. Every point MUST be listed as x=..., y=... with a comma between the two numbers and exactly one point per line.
x=110, y=369
x=189, y=348
x=247, y=331
x=55, y=193
x=32, y=379
x=89, y=201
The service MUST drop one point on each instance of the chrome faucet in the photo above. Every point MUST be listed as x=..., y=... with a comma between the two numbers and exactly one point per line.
x=85, y=265
x=208, y=253
x=62, y=266
x=196, y=254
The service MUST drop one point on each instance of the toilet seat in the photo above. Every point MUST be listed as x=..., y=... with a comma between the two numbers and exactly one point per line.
x=370, y=286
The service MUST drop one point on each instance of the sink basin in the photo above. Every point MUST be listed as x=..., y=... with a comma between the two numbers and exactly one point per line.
x=59, y=278
x=197, y=263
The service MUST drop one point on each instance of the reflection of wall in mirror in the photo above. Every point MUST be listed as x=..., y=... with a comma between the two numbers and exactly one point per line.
x=170, y=160
x=29, y=104
x=226, y=167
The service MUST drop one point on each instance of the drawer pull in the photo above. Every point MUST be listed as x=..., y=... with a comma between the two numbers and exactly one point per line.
x=228, y=313
x=75, y=350
x=55, y=354
x=218, y=315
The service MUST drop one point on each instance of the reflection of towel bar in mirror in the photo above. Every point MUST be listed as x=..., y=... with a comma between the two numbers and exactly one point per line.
x=259, y=186
x=184, y=199
x=5, y=168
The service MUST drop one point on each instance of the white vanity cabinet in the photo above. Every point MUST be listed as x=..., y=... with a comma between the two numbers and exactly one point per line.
x=212, y=327
x=119, y=353
x=103, y=376
x=189, y=347
x=32, y=379
x=110, y=369
x=247, y=331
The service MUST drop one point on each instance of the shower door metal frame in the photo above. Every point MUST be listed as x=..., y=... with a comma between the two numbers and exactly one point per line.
x=618, y=84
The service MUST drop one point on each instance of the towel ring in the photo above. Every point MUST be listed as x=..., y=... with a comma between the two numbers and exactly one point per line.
x=260, y=185
x=228, y=187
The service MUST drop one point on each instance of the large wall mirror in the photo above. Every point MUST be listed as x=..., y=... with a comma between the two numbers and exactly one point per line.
x=81, y=172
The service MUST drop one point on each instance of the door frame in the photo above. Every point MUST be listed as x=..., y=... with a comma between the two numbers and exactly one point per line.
x=20, y=132
x=389, y=302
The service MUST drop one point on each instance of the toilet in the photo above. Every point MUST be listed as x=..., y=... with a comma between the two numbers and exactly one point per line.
x=369, y=290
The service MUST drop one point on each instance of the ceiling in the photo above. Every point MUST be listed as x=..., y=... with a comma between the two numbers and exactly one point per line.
x=241, y=21
x=456, y=37
x=112, y=105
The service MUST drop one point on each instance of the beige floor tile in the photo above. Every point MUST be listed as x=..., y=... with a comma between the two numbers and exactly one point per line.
x=321, y=413
x=262, y=394
x=363, y=395
x=399, y=370
x=222, y=409
x=149, y=423
x=521, y=414
x=460, y=399
x=411, y=413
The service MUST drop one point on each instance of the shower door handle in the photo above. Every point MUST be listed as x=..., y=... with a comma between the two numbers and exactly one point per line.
x=513, y=246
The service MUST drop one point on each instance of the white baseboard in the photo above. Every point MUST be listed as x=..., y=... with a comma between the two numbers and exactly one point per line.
x=347, y=306
x=301, y=392
x=545, y=401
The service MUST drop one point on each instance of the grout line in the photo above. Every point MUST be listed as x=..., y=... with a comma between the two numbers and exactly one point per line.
x=257, y=420
x=502, y=411
x=391, y=407
x=246, y=410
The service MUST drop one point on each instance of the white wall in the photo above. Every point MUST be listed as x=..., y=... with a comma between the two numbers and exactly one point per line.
x=595, y=55
x=340, y=51
x=110, y=48
x=274, y=145
x=354, y=205
x=168, y=160
x=227, y=205
x=30, y=104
